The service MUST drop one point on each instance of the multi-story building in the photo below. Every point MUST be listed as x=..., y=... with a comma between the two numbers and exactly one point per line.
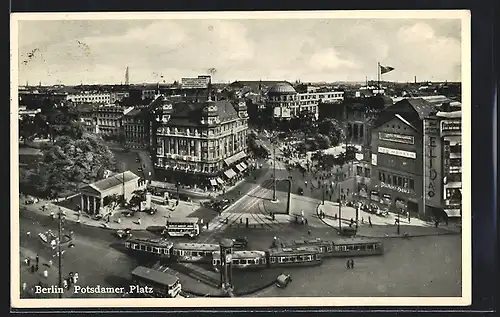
x=87, y=117
x=451, y=138
x=287, y=103
x=90, y=97
x=109, y=119
x=200, y=143
x=117, y=96
x=398, y=157
x=135, y=126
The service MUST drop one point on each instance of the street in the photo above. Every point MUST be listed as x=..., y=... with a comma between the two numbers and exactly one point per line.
x=400, y=272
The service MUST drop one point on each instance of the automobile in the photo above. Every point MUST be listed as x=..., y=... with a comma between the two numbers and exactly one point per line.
x=124, y=233
x=383, y=212
x=139, y=169
x=300, y=191
x=240, y=243
x=138, y=160
x=283, y=280
x=223, y=204
x=348, y=232
x=96, y=217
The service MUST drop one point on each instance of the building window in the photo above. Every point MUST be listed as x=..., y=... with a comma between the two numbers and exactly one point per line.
x=394, y=180
x=367, y=172
x=359, y=170
x=380, y=176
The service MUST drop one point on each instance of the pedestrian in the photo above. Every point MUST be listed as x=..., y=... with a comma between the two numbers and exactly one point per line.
x=335, y=216
x=28, y=261
x=436, y=223
x=45, y=273
x=32, y=268
x=370, y=221
x=352, y=263
x=28, y=234
x=362, y=220
x=305, y=220
x=309, y=232
x=348, y=263
x=36, y=267
x=352, y=222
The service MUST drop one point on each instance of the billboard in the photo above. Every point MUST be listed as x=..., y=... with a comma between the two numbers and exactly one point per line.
x=432, y=164
x=396, y=152
x=451, y=126
x=398, y=138
x=194, y=83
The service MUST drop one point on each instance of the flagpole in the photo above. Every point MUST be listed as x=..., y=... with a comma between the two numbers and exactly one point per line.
x=378, y=77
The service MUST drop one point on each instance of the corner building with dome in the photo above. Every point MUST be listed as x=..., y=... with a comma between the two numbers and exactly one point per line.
x=287, y=103
x=200, y=143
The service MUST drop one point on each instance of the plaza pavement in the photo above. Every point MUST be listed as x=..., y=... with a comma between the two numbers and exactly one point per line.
x=382, y=227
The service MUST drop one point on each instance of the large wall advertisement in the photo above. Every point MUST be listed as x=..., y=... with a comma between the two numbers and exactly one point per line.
x=432, y=164
x=398, y=138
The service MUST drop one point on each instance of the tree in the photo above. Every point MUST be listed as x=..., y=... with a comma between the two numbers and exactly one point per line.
x=333, y=129
x=68, y=162
x=323, y=141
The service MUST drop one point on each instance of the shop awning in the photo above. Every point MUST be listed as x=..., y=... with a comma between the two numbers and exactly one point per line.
x=240, y=168
x=243, y=165
x=213, y=182
x=230, y=173
x=238, y=156
x=219, y=180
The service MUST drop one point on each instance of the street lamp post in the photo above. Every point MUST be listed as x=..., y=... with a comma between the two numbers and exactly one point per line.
x=357, y=217
x=340, y=210
x=399, y=213
x=59, y=251
x=274, y=170
x=323, y=188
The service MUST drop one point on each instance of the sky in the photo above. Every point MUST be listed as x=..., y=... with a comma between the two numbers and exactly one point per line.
x=310, y=50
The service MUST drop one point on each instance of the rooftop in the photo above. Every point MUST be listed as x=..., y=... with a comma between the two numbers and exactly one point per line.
x=113, y=181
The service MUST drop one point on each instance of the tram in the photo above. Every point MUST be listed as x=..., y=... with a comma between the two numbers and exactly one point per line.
x=357, y=247
x=324, y=246
x=295, y=256
x=158, y=247
x=243, y=260
x=194, y=252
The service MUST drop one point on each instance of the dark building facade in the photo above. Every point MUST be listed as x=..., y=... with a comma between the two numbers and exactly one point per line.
x=202, y=143
x=398, y=157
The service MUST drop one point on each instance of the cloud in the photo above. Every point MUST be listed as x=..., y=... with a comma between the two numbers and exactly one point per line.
x=329, y=59
x=310, y=50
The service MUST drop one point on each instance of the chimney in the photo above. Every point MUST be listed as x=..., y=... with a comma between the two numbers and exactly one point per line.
x=415, y=79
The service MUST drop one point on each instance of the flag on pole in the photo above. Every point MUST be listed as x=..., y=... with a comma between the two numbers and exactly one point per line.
x=385, y=69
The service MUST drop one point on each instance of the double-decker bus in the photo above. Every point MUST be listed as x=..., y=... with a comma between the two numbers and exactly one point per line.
x=164, y=285
x=182, y=227
x=156, y=247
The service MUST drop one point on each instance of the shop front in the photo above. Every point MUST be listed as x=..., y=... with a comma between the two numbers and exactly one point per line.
x=395, y=198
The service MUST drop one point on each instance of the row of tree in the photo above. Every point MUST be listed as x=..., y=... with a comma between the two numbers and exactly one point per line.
x=71, y=159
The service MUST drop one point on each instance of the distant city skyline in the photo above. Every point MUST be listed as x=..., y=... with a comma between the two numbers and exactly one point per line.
x=75, y=52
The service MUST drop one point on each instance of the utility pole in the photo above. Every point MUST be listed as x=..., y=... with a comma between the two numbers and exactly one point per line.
x=274, y=169
x=357, y=217
x=399, y=213
x=323, y=187
x=59, y=251
x=340, y=211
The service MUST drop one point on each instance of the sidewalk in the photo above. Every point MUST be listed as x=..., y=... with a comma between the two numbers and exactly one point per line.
x=382, y=227
x=33, y=279
x=184, y=209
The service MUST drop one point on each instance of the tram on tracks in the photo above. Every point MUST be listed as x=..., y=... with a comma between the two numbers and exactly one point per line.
x=193, y=252
x=242, y=260
x=347, y=247
x=158, y=247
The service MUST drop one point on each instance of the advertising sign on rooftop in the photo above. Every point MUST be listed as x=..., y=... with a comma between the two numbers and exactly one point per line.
x=195, y=83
